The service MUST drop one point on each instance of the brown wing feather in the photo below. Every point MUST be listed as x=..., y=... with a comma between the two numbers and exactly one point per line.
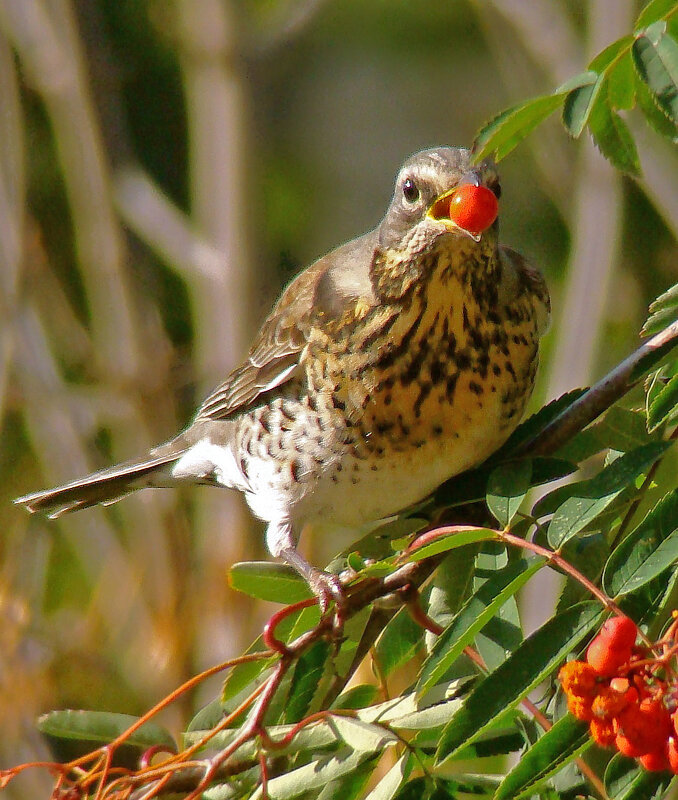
x=275, y=356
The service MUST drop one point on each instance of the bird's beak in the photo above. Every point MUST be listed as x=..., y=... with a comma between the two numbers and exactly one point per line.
x=439, y=210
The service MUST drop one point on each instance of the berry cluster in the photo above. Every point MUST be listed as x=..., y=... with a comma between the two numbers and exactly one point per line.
x=628, y=694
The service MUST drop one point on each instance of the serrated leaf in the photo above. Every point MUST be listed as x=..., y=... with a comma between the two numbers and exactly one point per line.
x=653, y=11
x=306, y=680
x=506, y=488
x=646, y=551
x=503, y=133
x=356, y=697
x=472, y=617
x=655, y=57
x=360, y=735
x=625, y=779
x=266, y=580
x=524, y=669
x=595, y=495
x=390, y=783
x=317, y=773
x=566, y=740
x=579, y=104
x=664, y=406
x=432, y=543
x=612, y=137
x=349, y=786
x=102, y=727
x=663, y=311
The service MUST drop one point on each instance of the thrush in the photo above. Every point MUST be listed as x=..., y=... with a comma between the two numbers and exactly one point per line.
x=389, y=365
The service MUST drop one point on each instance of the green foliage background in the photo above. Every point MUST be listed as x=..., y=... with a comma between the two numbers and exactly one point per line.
x=165, y=167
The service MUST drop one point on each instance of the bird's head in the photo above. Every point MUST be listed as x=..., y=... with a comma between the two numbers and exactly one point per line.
x=438, y=192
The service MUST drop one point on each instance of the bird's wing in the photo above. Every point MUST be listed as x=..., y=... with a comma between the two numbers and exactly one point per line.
x=321, y=291
x=524, y=279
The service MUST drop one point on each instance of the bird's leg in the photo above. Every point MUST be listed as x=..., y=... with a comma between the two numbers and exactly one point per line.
x=324, y=585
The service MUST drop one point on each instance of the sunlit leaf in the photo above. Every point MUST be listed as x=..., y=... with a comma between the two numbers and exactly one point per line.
x=267, y=580
x=655, y=56
x=432, y=542
x=646, y=551
x=621, y=83
x=595, y=495
x=103, y=727
x=397, y=644
x=566, y=740
x=503, y=133
x=472, y=617
x=663, y=311
x=664, y=405
x=390, y=783
x=517, y=676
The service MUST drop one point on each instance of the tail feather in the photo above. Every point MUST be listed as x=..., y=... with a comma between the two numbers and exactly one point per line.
x=105, y=486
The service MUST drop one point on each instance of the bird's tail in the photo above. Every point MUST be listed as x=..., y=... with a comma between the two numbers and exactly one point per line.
x=105, y=486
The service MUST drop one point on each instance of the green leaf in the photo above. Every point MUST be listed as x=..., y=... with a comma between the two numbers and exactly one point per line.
x=663, y=311
x=390, y=783
x=621, y=83
x=472, y=617
x=316, y=774
x=503, y=133
x=566, y=740
x=356, y=697
x=653, y=11
x=655, y=57
x=360, y=735
x=533, y=425
x=595, y=495
x=102, y=726
x=73, y=733
x=627, y=780
x=524, y=669
x=431, y=543
x=607, y=56
x=664, y=405
x=507, y=486
x=646, y=551
x=612, y=137
x=349, y=786
x=579, y=104
x=306, y=680
x=267, y=580
x=398, y=642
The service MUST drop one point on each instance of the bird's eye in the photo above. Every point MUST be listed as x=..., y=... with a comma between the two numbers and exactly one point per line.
x=410, y=190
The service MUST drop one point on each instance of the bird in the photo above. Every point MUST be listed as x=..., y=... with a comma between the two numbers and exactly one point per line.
x=391, y=364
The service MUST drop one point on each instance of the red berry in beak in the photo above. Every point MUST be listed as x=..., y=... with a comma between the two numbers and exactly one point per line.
x=473, y=208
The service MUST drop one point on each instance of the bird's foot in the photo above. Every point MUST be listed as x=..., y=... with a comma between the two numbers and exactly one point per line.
x=328, y=588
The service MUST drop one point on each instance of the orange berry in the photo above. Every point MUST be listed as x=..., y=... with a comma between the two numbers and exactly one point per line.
x=608, y=703
x=655, y=761
x=619, y=632
x=642, y=728
x=604, y=659
x=580, y=707
x=672, y=753
x=578, y=678
x=473, y=208
x=602, y=732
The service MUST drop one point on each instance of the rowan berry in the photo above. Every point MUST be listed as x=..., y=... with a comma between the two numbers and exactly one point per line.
x=580, y=707
x=672, y=754
x=473, y=208
x=609, y=703
x=579, y=678
x=604, y=659
x=619, y=632
x=655, y=761
x=602, y=732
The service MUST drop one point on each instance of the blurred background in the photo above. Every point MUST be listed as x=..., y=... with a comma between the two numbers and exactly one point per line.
x=165, y=167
